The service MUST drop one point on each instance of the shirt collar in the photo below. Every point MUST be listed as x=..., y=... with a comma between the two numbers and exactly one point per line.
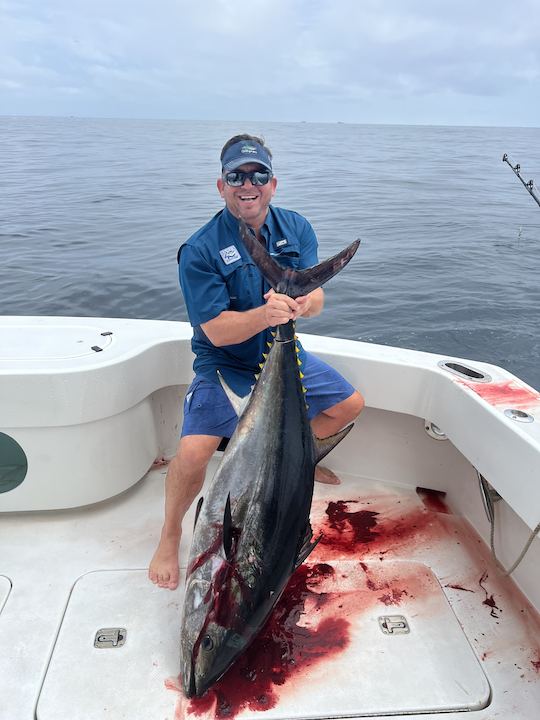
x=233, y=224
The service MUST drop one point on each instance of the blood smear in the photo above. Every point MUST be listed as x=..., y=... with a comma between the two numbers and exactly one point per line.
x=511, y=393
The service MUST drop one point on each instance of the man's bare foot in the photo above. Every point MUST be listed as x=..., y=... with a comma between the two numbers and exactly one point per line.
x=163, y=570
x=326, y=476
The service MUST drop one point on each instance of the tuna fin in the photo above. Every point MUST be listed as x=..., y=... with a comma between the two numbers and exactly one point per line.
x=197, y=511
x=192, y=689
x=306, y=550
x=227, y=528
x=307, y=546
x=324, y=445
x=238, y=403
x=294, y=282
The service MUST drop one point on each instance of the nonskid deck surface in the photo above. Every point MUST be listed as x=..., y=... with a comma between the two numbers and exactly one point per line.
x=389, y=561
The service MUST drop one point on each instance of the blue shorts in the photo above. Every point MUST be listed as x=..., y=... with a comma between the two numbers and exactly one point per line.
x=207, y=410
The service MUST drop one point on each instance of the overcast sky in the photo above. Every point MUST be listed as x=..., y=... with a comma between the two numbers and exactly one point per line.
x=449, y=62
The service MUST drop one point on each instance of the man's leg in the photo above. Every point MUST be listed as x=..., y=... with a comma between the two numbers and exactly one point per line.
x=332, y=420
x=184, y=480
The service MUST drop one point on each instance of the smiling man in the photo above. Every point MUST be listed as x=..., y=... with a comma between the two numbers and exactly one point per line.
x=233, y=311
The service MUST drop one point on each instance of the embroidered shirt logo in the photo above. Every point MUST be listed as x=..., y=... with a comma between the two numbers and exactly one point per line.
x=229, y=254
x=282, y=242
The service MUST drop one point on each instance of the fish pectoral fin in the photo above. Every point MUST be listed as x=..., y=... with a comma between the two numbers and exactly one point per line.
x=227, y=528
x=306, y=548
x=238, y=403
x=191, y=689
x=324, y=445
x=197, y=511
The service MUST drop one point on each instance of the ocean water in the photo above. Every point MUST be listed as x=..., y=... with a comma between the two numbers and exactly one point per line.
x=92, y=212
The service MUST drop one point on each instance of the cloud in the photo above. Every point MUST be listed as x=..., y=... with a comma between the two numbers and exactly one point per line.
x=280, y=59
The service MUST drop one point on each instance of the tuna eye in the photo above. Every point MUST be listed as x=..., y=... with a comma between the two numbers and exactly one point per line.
x=207, y=643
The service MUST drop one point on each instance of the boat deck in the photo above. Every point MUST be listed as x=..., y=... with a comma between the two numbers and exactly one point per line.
x=400, y=609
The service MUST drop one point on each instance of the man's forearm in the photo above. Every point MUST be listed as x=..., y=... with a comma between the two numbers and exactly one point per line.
x=231, y=327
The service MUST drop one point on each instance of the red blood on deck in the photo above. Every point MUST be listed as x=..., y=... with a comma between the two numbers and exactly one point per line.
x=282, y=649
x=310, y=623
x=433, y=499
x=489, y=601
x=349, y=531
x=358, y=524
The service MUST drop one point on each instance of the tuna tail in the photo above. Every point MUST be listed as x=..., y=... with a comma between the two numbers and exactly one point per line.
x=294, y=282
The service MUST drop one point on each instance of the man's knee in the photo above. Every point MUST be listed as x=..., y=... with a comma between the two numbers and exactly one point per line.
x=356, y=403
x=349, y=409
x=195, y=451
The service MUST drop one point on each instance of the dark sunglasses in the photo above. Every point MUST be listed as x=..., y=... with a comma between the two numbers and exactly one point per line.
x=236, y=178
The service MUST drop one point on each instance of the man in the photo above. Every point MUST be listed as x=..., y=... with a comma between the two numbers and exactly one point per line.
x=233, y=311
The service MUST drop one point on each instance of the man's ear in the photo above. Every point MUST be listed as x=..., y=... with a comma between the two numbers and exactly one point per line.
x=220, y=185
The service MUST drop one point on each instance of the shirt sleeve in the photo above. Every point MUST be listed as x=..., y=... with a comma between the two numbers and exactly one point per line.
x=204, y=289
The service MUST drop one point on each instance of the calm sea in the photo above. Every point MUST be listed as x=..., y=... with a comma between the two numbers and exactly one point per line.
x=92, y=213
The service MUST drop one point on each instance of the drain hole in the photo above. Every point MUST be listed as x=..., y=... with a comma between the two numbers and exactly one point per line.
x=464, y=371
x=518, y=415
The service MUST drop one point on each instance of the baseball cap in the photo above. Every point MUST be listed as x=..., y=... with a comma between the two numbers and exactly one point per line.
x=245, y=151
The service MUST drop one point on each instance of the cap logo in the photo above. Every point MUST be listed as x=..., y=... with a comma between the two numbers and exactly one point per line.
x=249, y=149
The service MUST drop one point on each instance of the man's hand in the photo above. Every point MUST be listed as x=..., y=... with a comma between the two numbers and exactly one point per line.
x=279, y=309
x=282, y=308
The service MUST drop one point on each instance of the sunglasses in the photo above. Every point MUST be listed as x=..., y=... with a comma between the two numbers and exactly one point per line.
x=236, y=178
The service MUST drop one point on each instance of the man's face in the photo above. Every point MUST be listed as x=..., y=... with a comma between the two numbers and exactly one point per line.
x=248, y=202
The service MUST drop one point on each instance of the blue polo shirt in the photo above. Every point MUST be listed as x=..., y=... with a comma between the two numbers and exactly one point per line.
x=217, y=274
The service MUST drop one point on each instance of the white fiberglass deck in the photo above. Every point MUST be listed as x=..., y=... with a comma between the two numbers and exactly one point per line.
x=390, y=559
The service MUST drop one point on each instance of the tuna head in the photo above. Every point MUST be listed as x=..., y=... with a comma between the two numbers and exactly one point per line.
x=212, y=654
x=209, y=642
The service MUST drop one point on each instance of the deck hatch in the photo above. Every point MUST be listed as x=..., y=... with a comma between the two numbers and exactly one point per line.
x=47, y=342
x=130, y=677
x=405, y=652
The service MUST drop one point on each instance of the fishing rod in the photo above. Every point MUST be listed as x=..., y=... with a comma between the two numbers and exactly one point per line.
x=529, y=186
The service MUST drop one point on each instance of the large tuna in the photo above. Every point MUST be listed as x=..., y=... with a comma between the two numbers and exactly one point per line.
x=252, y=530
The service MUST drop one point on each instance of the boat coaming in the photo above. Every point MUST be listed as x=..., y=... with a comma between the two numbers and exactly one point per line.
x=49, y=667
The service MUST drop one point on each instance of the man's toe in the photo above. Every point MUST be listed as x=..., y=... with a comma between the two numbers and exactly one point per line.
x=326, y=476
